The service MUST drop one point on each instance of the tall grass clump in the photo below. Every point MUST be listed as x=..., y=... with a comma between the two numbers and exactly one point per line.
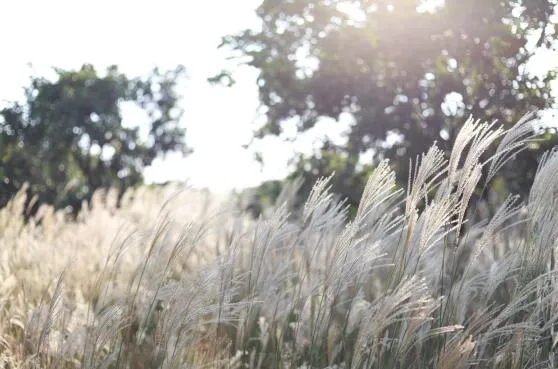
x=171, y=281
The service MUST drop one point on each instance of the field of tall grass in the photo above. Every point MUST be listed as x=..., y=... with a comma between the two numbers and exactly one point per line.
x=182, y=279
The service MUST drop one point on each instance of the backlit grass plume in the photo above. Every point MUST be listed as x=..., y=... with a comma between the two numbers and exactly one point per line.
x=178, y=278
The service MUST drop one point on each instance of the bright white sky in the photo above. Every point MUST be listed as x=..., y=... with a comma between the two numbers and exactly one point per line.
x=137, y=36
x=140, y=35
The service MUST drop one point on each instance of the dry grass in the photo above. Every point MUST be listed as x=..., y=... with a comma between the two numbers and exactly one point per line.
x=182, y=280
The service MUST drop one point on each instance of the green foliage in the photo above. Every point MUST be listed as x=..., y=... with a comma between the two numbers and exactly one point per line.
x=330, y=159
x=67, y=138
x=397, y=67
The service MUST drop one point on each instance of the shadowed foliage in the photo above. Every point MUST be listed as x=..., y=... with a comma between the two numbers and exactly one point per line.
x=67, y=138
x=396, y=68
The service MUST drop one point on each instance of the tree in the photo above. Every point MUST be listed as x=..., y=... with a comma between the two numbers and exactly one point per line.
x=408, y=69
x=67, y=138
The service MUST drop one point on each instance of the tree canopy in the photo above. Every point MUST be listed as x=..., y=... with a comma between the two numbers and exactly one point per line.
x=67, y=138
x=407, y=69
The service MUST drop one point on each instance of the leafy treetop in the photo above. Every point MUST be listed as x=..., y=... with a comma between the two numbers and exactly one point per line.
x=409, y=68
x=67, y=137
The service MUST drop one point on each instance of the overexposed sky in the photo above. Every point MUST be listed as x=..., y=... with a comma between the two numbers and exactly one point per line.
x=139, y=35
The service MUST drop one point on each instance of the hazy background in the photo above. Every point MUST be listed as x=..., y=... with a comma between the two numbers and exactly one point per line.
x=220, y=120
x=137, y=36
